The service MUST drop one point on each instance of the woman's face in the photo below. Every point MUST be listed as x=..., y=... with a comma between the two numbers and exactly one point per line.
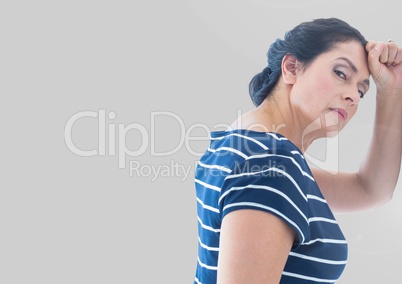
x=326, y=93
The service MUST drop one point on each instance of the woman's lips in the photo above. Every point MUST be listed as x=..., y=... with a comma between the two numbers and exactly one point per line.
x=343, y=114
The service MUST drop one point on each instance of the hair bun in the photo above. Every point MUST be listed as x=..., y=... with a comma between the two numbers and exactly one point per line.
x=267, y=71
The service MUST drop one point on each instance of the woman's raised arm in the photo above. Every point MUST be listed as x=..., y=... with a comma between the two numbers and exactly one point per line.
x=374, y=182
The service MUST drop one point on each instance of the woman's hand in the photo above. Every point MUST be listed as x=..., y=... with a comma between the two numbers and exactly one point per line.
x=385, y=66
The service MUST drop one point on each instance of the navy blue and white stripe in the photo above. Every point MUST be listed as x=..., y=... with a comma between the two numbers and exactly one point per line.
x=245, y=169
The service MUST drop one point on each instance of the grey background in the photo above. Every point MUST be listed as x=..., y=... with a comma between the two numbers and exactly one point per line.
x=71, y=219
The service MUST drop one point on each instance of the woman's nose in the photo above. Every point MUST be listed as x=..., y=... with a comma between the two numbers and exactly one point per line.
x=353, y=96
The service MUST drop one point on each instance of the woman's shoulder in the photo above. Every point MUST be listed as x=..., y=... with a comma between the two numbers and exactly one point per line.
x=248, y=150
x=251, y=142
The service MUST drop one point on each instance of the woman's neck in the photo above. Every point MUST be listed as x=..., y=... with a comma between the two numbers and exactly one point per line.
x=276, y=115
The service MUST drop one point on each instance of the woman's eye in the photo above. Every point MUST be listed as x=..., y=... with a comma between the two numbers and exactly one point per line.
x=361, y=94
x=340, y=74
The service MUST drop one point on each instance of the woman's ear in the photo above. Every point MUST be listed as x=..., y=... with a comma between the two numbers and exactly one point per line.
x=289, y=69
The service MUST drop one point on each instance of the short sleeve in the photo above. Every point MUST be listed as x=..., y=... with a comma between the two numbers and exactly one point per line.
x=271, y=183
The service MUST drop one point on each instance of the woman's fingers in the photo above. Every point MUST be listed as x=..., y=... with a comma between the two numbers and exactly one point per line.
x=384, y=54
x=375, y=51
x=370, y=45
x=392, y=48
x=389, y=55
x=385, y=63
x=398, y=57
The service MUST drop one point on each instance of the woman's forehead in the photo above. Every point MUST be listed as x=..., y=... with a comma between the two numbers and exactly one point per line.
x=352, y=52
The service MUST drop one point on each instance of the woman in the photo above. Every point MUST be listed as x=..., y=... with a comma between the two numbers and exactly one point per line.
x=263, y=215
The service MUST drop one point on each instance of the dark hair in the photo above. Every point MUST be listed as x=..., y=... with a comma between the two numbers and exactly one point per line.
x=305, y=42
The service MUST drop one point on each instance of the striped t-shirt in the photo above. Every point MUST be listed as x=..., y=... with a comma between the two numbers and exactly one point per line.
x=245, y=169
